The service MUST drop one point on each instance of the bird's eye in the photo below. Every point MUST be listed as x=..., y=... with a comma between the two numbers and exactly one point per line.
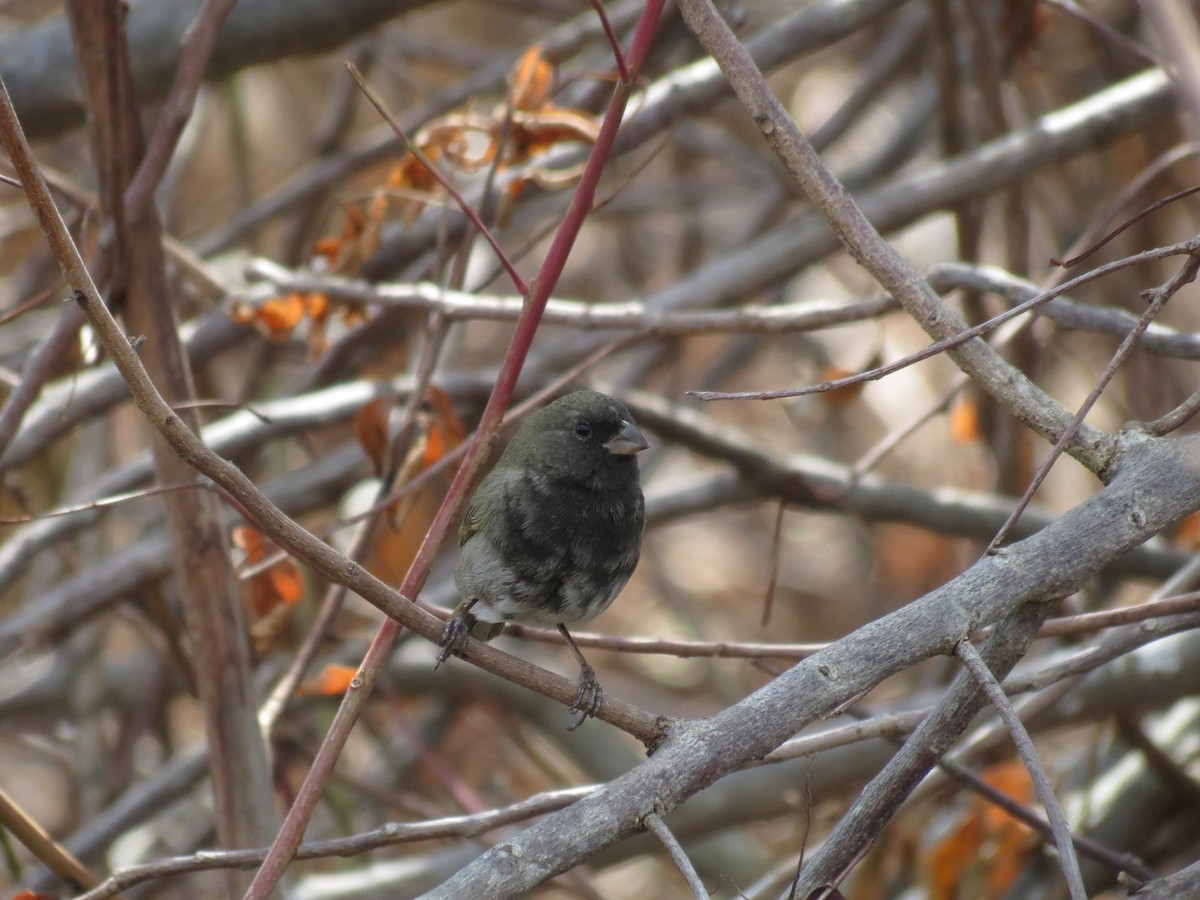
x=582, y=430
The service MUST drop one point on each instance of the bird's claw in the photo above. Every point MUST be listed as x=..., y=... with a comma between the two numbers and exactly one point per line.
x=454, y=638
x=588, y=699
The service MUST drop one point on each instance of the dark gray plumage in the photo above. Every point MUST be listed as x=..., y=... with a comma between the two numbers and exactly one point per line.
x=554, y=531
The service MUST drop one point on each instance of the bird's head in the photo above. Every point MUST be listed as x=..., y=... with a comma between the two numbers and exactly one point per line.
x=585, y=436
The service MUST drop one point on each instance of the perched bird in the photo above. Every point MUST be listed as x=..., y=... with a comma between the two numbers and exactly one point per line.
x=553, y=532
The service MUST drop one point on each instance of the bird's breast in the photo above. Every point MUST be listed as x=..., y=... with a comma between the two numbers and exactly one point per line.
x=557, y=553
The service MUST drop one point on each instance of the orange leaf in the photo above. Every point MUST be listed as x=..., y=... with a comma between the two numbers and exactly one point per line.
x=843, y=396
x=1011, y=839
x=532, y=79
x=328, y=247
x=371, y=429
x=439, y=431
x=286, y=583
x=412, y=175
x=947, y=862
x=359, y=239
x=537, y=132
x=279, y=316
x=281, y=584
x=964, y=422
x=251, y=542
x=356, y=221
x=318, y=307
x=466, y=141
x=353, y=314
x=416, y=182
x=988, y=842
x=1187, y=533
x=333, y=681
x=446, y=431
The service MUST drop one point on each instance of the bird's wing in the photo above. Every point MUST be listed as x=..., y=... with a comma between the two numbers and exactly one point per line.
x=488, y=497
x=471, y=522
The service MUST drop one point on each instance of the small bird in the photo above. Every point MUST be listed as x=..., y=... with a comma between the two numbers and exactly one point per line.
x=554, y=531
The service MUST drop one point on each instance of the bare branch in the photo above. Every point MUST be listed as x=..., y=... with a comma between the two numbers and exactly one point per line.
x=1062, y=831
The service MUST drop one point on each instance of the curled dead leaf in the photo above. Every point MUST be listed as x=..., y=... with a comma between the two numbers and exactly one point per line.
x=274, y=592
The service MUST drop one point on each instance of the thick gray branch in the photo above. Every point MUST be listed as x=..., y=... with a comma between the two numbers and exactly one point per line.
x=1158, y=483
x=38, y=65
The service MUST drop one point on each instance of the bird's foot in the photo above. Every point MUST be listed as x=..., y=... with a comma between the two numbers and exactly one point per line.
x=589, y=698
x=454, y=637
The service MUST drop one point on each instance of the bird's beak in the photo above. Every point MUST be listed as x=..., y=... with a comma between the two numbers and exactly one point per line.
x=628, y=441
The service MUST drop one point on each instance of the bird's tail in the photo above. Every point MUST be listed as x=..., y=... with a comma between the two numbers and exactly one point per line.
x=479, y=629
x=484, y=631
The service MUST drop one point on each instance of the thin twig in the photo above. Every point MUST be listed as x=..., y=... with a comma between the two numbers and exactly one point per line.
x=622, y=69
x=364, y=537
x=1127, y=224
x=131, y=250
x=103, y=503
x=1176, y=418
x=386, y=835
x=1090, y=658
x=1157, y=300
x=956, y=340
x=629, y=315
x=1105, y=30
x=26, y=829
x=983, y=676
x=376, y=101
x=890, y=441
x=15, y=312
x=1084, y=623
x=1126, y=615
x=773, y=564
x=678, y=856
x=681, y=649
x=1118, y=862
x=200, y=40
x=937, y=277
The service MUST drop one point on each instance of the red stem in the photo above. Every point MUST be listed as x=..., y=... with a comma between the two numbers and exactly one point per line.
x=292, y=831
x=622, y=70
